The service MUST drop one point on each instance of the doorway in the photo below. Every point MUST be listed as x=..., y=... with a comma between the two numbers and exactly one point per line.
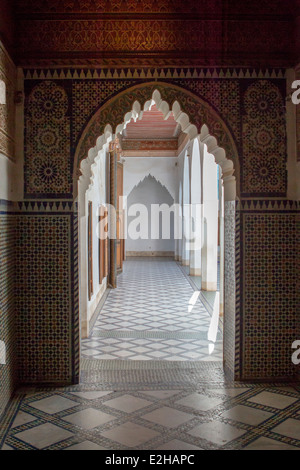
x=202, y=142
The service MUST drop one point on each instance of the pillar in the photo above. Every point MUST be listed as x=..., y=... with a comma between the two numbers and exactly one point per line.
x=210, y=223
x=196, y=211
x=186, y=213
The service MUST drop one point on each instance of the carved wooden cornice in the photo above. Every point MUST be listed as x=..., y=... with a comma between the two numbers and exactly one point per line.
x=156, y=33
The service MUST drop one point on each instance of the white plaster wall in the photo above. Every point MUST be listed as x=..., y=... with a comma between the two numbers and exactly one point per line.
x=162, y=188
x=97, y=195
x=163, y=169
x=149, y=193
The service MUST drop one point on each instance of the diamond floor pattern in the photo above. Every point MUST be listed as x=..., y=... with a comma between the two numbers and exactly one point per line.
x=153, y=295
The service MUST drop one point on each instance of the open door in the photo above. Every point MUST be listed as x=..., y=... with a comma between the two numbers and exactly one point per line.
x=112, y=220
x=120, y=219
x=116, y=225
x=103, y=244
x=90, y=250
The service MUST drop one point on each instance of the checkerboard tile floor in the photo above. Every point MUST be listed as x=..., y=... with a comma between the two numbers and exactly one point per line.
x=221, y=416
x=152, y=296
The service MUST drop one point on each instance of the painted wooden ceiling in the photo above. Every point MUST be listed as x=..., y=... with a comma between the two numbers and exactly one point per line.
x=153, y=126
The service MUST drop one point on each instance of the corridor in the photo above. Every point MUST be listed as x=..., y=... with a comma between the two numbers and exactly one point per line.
x=154, y=314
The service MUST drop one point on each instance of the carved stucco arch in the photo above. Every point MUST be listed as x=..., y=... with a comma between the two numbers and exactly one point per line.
x=196, y=117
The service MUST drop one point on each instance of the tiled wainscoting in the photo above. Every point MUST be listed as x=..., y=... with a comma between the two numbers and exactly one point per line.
x=7, y=305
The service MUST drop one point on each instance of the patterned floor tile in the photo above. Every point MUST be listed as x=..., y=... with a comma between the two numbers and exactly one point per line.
x=177, y=445
x=134, y=399
x=91, y=395
x=86, y=445
x=152, y=296
x=264, y=443
x=130, y=434
x=134, y=409
x=89, y=418
x=22, y=418
x=6, y=447
x=289, y=428
x=247, y=415
x=127, y=403
x=162, y=394
x=168, y=417
x=54, y=404
x=273, y=400
x=199, y=402
x=217, y=432
x=44, y=435
x=230, y=392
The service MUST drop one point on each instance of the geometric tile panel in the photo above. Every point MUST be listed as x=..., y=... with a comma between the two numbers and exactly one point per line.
x=271, y=306
x=88, y=95
x=230, y=287
x=150, y=317
x=224, y=95
x=48, y=169
x=50, y=146
x=147, y=418
x=264, y=141
x=44, y=297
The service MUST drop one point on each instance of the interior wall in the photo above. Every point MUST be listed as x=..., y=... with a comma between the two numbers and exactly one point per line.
x=163, y=169
x=148, y=193
x=97, y=195
x=149, y=181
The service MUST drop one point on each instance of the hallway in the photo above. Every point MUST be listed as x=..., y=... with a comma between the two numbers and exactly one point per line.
x=154, y=314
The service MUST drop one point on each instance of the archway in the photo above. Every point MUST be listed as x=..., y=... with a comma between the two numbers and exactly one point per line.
x=197, y=119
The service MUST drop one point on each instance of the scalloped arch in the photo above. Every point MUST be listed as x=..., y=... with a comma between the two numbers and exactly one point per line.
x=195, y=116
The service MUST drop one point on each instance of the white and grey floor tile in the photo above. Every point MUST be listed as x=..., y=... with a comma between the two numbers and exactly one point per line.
x=95, y=417
x=153, y=297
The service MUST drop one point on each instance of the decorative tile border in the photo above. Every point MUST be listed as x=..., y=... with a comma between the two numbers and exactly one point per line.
x=138, y=73
x=150, y=334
